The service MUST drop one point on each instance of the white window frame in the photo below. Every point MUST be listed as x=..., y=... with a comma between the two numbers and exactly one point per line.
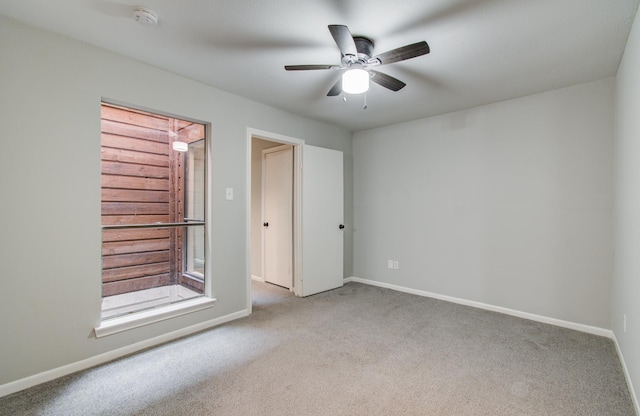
x=163, y=312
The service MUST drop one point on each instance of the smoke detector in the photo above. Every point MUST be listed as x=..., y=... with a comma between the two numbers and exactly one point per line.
x=144, y=16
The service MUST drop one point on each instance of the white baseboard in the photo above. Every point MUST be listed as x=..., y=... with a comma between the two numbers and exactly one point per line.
x=24, y=383
x=257, y=278
x=533, y=317
x=627, y=376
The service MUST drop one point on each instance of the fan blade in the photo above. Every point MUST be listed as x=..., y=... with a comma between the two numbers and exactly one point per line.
x=344, y=40
x=336, y=89
x=387, y=81
x=403, y=53
x=309, y=67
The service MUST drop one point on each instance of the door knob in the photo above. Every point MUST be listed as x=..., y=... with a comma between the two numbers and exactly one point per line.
x=266, y=224
x=341, y=226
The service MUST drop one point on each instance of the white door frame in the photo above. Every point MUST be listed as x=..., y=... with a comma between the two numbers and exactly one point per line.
x=297, y=205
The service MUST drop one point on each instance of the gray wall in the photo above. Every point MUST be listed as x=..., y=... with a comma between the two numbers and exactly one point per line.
x=51, y=88
x=626, y=275
x=508, y=204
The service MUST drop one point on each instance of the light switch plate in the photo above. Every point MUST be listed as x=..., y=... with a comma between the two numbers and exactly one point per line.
x=229, y=194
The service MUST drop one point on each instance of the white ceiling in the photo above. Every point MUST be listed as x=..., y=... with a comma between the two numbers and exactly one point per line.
x=482, y=51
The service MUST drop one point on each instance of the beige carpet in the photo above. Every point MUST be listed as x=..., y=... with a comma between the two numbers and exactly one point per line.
x=358, y=350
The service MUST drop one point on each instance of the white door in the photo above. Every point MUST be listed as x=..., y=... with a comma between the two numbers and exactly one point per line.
x=278, y=216
x=322, y=220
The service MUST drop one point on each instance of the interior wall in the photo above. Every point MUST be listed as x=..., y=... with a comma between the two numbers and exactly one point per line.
x=507, y=204
x=626, y=275
x=257, y=146
x=52, y=87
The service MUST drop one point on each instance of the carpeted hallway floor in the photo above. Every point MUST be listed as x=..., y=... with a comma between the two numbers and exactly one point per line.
x=357, y=350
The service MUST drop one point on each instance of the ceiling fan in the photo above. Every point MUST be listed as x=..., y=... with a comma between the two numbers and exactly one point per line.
x=357, y=59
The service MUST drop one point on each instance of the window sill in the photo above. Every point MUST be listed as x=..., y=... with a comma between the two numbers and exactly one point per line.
x=136, y=320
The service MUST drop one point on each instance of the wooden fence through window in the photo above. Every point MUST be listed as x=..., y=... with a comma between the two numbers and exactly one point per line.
x=142, y=182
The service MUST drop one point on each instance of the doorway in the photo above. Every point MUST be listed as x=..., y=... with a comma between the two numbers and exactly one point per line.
x=319, y=267
x=261, y=144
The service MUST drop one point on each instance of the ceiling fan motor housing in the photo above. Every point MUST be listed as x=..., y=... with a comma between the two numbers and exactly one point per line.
x=357, y=58
x=364, y=47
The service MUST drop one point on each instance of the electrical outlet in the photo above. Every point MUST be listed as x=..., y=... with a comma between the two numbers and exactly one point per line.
x=396, y=265
x=390, y=264
x=624, y=323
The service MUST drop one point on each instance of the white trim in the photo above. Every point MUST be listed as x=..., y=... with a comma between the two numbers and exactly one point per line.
x=24, y=383
x=257, y=278
x=297, y=219
x=627, y=376
x=136, y=320
x=272, y=137
x=248, y=228
x=526, y=315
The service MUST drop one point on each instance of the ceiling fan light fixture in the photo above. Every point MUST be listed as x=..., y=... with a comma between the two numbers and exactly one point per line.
x=355, y=81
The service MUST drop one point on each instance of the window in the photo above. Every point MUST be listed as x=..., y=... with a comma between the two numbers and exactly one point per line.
x=153, y=210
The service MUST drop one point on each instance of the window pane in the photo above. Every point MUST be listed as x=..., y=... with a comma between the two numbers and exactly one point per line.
x=149, y=188
x=195, y=252
x=195, y=181
x=194, y=208
x=137, y=270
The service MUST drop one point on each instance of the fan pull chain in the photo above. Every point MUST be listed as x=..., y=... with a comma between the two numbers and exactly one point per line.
x=365, y=106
